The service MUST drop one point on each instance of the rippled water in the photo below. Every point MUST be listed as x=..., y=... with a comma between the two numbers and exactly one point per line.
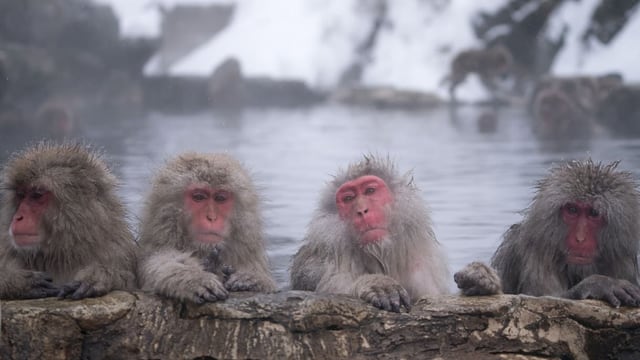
x=474, y=182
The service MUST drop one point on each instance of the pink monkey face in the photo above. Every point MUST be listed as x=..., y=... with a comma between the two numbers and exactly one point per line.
x=361, y=203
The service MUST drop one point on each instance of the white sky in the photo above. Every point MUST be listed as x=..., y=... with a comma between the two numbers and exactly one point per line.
x=313, y=40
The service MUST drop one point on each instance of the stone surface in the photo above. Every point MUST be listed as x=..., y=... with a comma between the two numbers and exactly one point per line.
x=302, y=325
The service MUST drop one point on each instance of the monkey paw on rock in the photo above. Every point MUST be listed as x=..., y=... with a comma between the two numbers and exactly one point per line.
x=39, y=285
x=384, y=293
x=204, y=288
x=614, y=291
x=77, y=290
x=477, y=279
x=241, y=281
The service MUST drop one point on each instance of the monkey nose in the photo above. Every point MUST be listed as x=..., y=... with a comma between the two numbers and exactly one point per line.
x=363, y=212
x=18, y=218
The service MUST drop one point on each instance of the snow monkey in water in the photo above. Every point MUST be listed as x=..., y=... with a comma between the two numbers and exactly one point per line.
x=201, y=234
x=579, y=239
x=63, y=228
x=371, y=237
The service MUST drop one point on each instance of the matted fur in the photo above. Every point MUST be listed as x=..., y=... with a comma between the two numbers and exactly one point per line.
x=87, y=237
x=331, y=259
x=171, y=258
x=531, y=259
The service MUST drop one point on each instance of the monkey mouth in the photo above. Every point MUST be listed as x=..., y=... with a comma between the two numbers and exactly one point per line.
x=25, y=240
x=209, y=237
x=579, y=259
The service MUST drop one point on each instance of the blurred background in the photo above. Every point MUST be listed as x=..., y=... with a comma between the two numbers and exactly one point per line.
x=478, y=99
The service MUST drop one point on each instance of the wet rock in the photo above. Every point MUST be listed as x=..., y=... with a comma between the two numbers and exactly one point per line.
x=302, y=325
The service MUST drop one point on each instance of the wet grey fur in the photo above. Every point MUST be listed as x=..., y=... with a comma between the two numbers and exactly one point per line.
x=87, y=247
x=174, y=265
x=531, y=258
x=409, y=261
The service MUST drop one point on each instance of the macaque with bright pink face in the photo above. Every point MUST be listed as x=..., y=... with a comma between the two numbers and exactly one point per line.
x=201, y=233
x=371, y=238
x=64, y=230
x=209, y=210
x=579, y=239
x=362, y=203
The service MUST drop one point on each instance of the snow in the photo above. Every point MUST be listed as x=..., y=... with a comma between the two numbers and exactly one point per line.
x=316, y=40
x=622, y=55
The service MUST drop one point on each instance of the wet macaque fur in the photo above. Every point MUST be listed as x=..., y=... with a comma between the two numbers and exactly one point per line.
x=64, y=229
x=578, y=239
x=371, y=237
x=201, y=232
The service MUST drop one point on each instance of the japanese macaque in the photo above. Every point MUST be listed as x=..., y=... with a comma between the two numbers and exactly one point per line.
x=578, y=239
x=64, y=229
x=371, y=237
x=201, y=233
x=489, y=64
x=565, y=107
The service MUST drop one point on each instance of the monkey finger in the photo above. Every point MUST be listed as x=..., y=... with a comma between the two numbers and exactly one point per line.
x=84, y=291
x=405, y=299
x=218, y=291
x=623, y=295
x=375, y=301
x=228, y=270
x=207, y=296
x=394, y=300
x=385, y=303
x=68, y=289
x=634, y=292
x=611, y=298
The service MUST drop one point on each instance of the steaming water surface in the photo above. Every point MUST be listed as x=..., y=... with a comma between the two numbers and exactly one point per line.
x=474, y=182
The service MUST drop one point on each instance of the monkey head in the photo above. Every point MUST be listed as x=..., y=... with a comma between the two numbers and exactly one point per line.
x=592, y=209
x=362, y=203
x=41, y=183
x=210, y=196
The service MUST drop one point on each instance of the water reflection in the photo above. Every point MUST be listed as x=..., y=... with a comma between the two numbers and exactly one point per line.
x=475, y=181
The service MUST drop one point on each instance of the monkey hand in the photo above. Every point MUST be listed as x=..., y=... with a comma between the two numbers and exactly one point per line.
x=477, y=279
x=243, y=281
x=202, y=287
x=382, y=292
x=38, y=285
x=76, y=290
x=614, y=291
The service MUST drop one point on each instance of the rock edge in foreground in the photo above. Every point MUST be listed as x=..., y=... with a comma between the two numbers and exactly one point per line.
x=303, y=325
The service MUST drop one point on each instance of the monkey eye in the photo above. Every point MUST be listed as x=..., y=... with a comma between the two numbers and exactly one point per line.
x=348, y=198
x=220, y=197
x=198, y=196
x=36, y=194
x=593, y=212
x=370, y=190
x=572, y=209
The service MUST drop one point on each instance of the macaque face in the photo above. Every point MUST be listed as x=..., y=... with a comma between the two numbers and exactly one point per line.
x=584, y=223
x=361, y=202
x=25, y=225
x=209, y=209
